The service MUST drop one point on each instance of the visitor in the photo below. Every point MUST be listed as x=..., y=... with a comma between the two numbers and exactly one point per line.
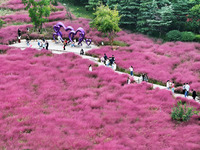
x=172, y=85
x=102, y=59
x=19, y=36
x=113, y=59
x=143, y=75
x=146, y=78
x=194, y=94
x=27, y=40
x=72, y=45
x=90, y=67
x=64, y=44
x=128, y=80
x=184, y=88
x=114, y=66
x=131, y=70
x=82, y=52
x=47, y=45
x=107, y=62
x=39, y=45
x=168, y=84
x=43, y=44
x=105, y=58
x=27, y=29
x=187, y=89
x=110, y=61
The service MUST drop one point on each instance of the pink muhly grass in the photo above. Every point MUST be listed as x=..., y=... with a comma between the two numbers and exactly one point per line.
x=54, y=102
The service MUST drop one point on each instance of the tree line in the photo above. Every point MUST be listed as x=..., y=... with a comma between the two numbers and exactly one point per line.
x=153, y=17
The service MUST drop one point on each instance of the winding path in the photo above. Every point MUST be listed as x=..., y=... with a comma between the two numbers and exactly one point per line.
x=58, y=49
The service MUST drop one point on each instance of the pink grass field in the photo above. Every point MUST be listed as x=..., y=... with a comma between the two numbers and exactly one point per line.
x=179, y=61
x=53, y=102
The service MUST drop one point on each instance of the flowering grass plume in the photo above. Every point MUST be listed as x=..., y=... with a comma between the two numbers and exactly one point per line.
x=51, y=101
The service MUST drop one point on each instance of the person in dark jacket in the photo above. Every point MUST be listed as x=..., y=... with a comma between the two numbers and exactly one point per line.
x=47, y=45
x=82, y=52
x=19, y=36
x=194, y=94
x=105, y=58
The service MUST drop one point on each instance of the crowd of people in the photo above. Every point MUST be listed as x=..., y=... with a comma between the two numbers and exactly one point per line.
x=185, y=89
x=109, y=61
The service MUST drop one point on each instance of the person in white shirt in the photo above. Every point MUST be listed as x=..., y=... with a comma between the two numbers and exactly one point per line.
x=114, y=66
x=128, y=80
x=107, y=62
x=102, y=59
x=187, y=89
x=168, y=84
x=90, y=67
x=131, y=70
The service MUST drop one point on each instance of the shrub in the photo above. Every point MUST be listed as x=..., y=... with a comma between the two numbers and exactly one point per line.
x=1, y=23
x=197, y=37
x=173, y=35
x=181, y=112
x=187, y=36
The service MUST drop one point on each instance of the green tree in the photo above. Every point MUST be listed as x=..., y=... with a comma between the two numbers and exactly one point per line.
x=106, y=21
x=38, y=11
x=194, y=15
x=128, y=10
x=92, y=4
x=180, y=14
x=143, y=16
x=161, y=19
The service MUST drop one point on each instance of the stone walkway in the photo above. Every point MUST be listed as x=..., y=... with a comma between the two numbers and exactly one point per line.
x=57, y=48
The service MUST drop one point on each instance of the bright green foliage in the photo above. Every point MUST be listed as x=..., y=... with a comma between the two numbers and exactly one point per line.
x=106, y=21
x=182, y=112
x=1, y=23
x=38, y=11
x=187, y=36
x=174, y=35
x=197, y=37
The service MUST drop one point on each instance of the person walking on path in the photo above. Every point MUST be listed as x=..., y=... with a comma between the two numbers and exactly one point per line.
x=143, y=75
x=105, y=58
x=128, y=80
x=107, y=62
x=113, y=59
x=172, y=87
x=184, y=88
x=131, y=70
x=82, y=52
x=27, y=40
x=114, y=66
x=90, y=67
x=146, y=78
x=19, y=36
x=102, y=60
x=194, y=94
x=187, y=89
x=47, y=45
x=65, y=44
x=168, y=84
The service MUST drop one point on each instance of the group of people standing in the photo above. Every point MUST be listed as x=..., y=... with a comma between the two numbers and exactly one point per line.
x=186, y=89
x=44, y=44
x=109, y=61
